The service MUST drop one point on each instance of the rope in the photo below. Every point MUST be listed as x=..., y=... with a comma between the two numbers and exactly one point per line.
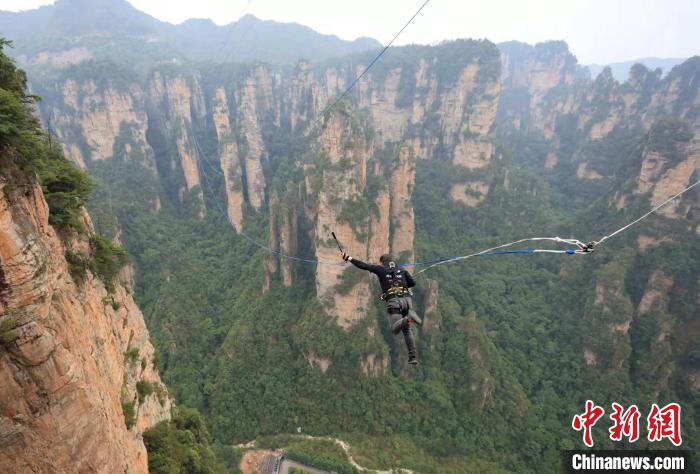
x=603, y=239
x=433, y=263
x=575, y=242
x=376, y=58
x=496, y=251
x=226, y=42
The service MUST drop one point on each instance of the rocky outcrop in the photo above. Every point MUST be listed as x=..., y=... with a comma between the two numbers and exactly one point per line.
x=471, y=194
x=607, y=319
x=646, y=242
x=546, y=94
x=96, y=123
x=343, y=182
x=401, y=188
x=71, y=354
x=389, y=120
x=319, y=362
x=283, y=235
x=255, y=93
x=374, y=365
x=668, y=336
x=432, y=318
x=674, y=181
x=178, y=102
x=57, y=58
x=468, y=113
x=538, y=82
x=303, y=96
x=288, y=243
x=583, y=172
x=229, y=159
x=665, y=173
x=657, y=289
x=432, y=288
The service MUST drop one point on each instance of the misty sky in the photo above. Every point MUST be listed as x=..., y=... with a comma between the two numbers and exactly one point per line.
x=598, y=31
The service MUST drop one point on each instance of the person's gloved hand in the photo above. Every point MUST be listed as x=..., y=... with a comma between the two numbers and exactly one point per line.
x=346, y=257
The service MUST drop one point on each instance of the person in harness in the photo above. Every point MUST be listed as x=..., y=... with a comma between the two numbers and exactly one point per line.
x=396, y=284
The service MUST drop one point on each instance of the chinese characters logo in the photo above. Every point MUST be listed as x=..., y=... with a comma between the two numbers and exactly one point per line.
x=662, y=423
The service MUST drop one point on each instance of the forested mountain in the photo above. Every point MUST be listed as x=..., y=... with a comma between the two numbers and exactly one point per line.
x=71, y=31
x=438, y=151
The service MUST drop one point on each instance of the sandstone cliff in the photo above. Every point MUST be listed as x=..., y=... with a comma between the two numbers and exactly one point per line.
x=229, y=159
x=547, y=94
x=71, y=353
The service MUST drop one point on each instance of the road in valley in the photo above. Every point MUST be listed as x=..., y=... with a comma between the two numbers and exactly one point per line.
x=287, y=464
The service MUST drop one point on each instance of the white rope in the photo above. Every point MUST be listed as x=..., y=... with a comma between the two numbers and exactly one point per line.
x=531, y=239
x=603, y=239
x=574, y=242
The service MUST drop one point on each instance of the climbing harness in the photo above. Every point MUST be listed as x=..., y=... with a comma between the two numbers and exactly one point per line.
x=395, y=291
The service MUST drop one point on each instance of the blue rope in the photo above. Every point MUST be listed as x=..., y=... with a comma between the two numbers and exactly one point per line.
x=503, y=252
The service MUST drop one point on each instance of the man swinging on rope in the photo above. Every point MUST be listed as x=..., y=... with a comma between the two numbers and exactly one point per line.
x=395, y=284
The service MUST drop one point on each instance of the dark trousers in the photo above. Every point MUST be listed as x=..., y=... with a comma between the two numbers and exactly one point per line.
x=398, y=308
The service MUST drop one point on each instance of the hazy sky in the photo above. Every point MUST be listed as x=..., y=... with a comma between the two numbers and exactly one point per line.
x=598, y=31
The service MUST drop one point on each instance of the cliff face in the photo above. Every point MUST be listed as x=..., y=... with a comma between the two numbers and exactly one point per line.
x=229, y=158
x=436, y=150
x=539, y=83
x=636, y=330
x=342, y=183
x=71, y=353
x=365, y=188
x=546, y=94
x=102, y=119
x=174, y=104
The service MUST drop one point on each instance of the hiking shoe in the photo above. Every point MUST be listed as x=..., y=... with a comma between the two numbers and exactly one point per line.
x=413, y=360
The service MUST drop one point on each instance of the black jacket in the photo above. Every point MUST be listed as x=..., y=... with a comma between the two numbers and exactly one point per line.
x=387, y=278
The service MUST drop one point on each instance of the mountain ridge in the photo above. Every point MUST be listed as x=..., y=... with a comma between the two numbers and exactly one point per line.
x=53, y=28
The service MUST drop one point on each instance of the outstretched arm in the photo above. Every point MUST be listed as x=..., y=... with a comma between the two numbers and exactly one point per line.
x=361, y=265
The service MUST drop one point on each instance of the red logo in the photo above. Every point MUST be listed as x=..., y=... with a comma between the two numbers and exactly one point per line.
x=626, y=423
x=665, y=423
x=662, y=423
x=587, y=420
